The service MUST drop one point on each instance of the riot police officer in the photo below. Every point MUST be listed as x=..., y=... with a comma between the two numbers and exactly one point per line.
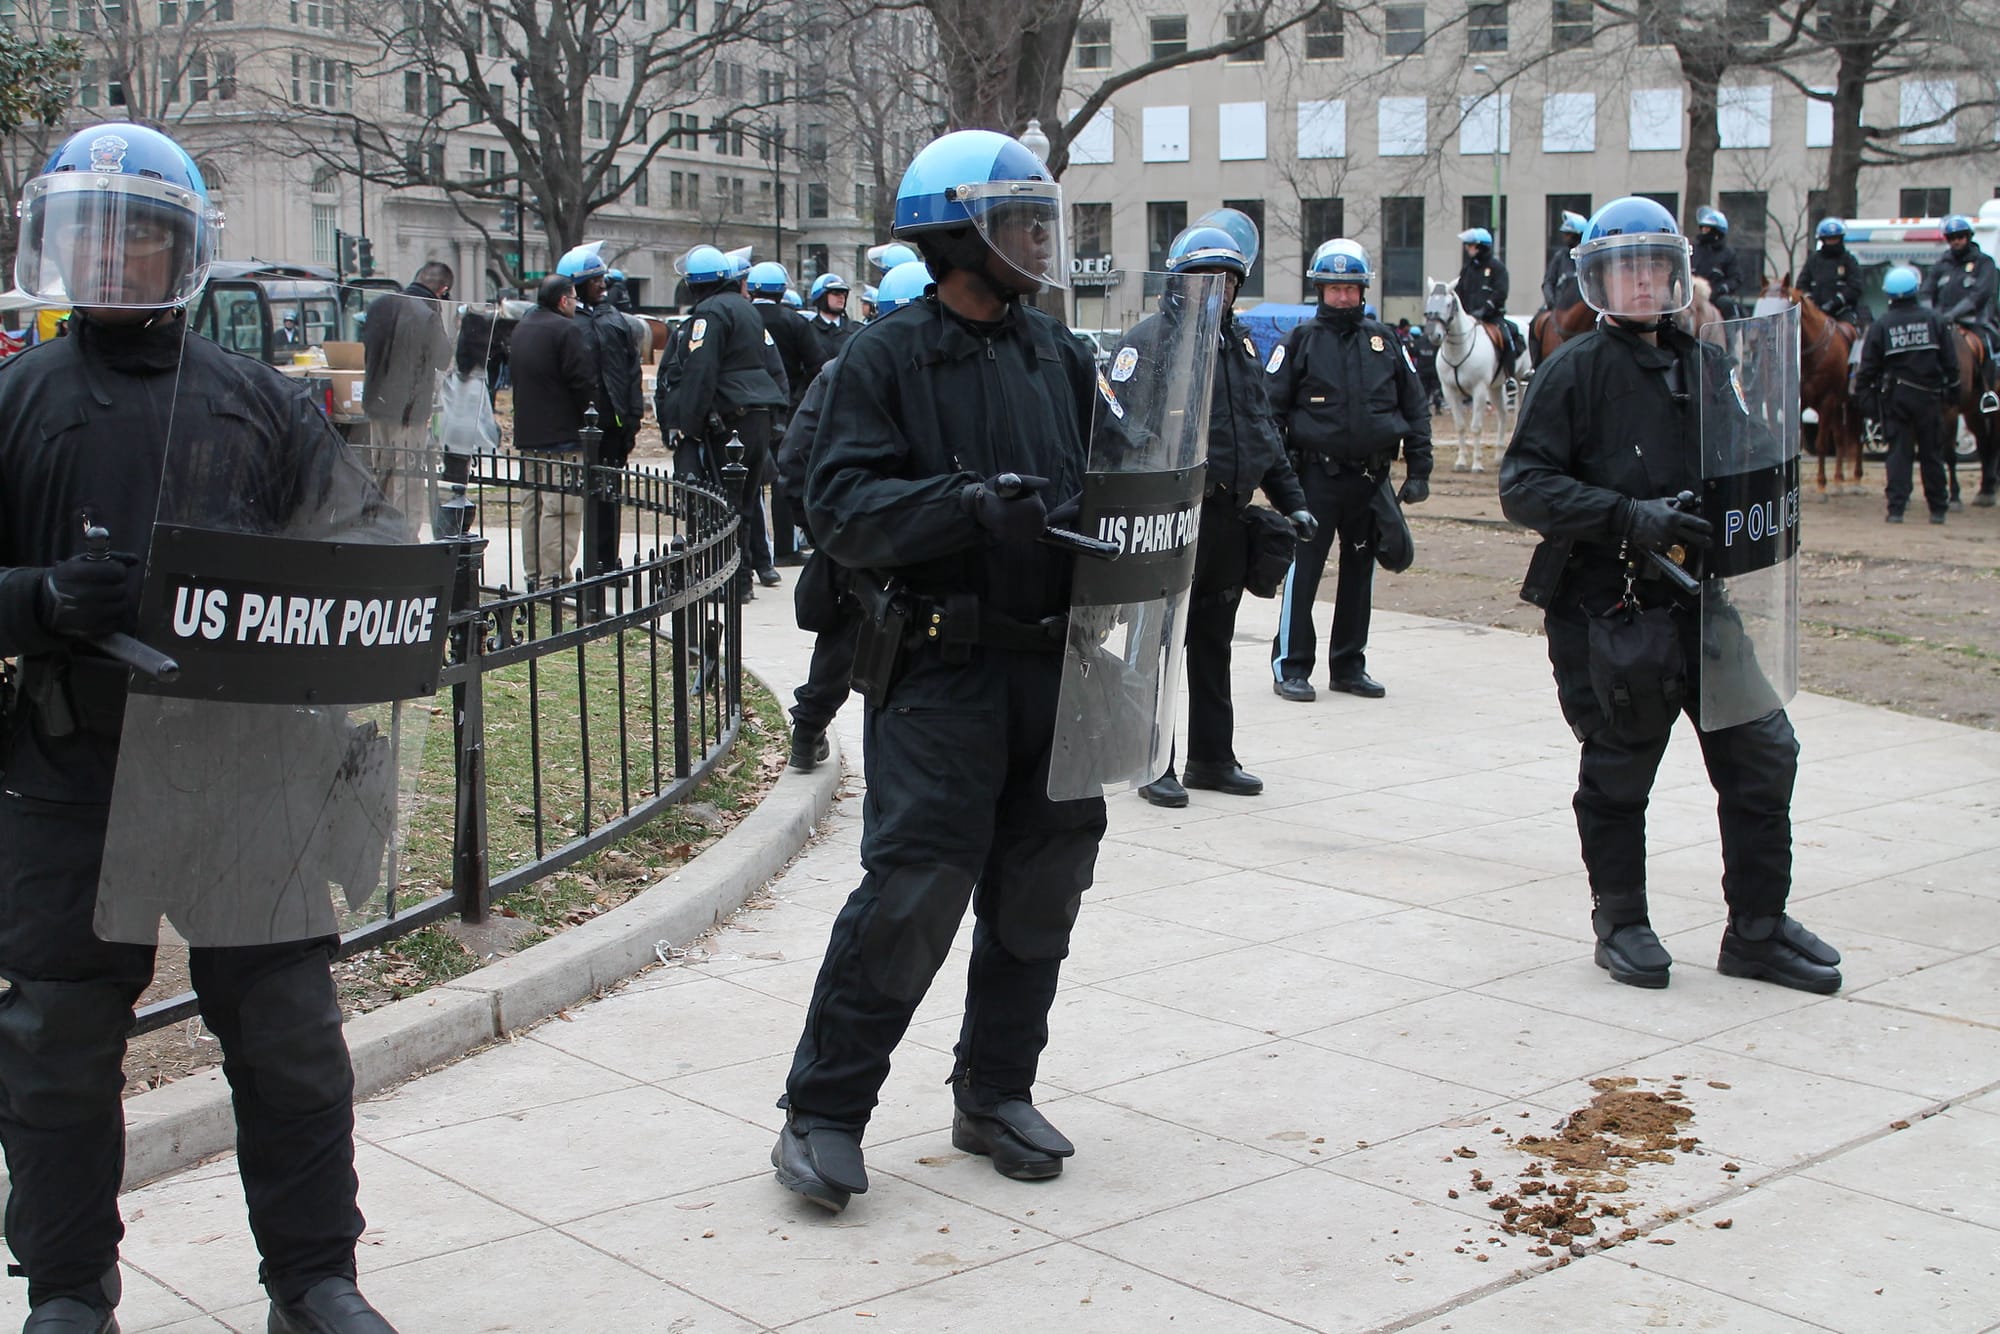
x=1609, y=426
x=1832, y=277
x=1346, y=395
x=1963, y=285
x=727, y=381
x=1559, y=278
x=611, y=341
x=799, y=350
x=618, y=292
x=1715, y=261
x=829, y=322
x=1244, y=453
x=119, y=225
x=1909, y=369
x=1482, y=289
x=932, y=417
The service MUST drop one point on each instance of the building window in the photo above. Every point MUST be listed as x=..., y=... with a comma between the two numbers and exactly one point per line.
x=1746, y=211
x=87, y=91
x=1486, y=28
x=1164, y=221
x=1403, y=31
x=413, y=90
x=167, y=81
x=1093, y=44
x=816, y=201
x=860, y=201
x=682, y=15
x=496, y=38
x=642, y=187
x=1749, y=21
x=1326, y=32
x=675, y=190
x=694, y=191
x=1403, y=245
x=1553, y=209
x=170, y=13
x=1253, y=209
x=1169, y=36
x=1570, y=24
x=1923, y=202
x=593, y=111
x=475, y=164
x=1090, y=230
x=1656, y=23
x=1477, y=211
x=326, y=217
x=1243, y=23
x=1320, y=220
x=1670, y=200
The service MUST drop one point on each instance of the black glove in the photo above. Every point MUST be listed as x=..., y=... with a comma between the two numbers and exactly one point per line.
x=1657, y=525
x=1415, y=491
x=1007, y=506
x=1304, y=525
x=85, y=597
x=1066, y=514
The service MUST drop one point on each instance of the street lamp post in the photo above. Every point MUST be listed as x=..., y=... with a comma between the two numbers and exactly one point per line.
x=360, y=180
x=1036, y=141
x=1499, y=128
x=520, y=179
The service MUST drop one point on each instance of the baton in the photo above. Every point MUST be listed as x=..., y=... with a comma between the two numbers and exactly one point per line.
x=1009, y=487
x=1676, y=576
x=141, y=658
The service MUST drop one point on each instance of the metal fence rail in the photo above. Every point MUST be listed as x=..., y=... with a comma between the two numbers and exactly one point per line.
x=626, y=678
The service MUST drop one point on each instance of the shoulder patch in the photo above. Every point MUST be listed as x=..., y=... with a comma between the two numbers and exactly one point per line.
x=699, y=332
x=1110, y=398
x=1277, y=360
x=1409, y=360
x=1125, y=363
x=1375, y=343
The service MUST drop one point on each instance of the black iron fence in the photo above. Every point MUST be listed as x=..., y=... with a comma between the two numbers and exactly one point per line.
x=580, y=708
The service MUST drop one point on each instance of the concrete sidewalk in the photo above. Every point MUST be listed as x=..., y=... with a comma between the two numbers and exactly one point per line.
x=1291, y=1032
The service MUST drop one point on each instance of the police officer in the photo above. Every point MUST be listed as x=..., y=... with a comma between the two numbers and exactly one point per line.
x=1608, y=427
x=799, y=350
x=612, y=344
x=1715, y=261
x=730, y=381
x=829, y=322
x=618, y=292
x=1244, y=453
x=119, y=225
x=927, y=414
x=1482, y=289
x=1909, y=368
x=1559, y=278
x=1831, y=276
x=1346, y=394
x=404, y=348
x=1963, y=285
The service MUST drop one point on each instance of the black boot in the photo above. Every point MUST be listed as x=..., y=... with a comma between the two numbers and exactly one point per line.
x=91, y=1311
x=1778, y=949
x=809, y=748
x=1166, y=790
x=1627, y=946
x=1221, y=776
x=330, y=1306
x=1361, y=684
x=820, y=1160
x=1019, y=1139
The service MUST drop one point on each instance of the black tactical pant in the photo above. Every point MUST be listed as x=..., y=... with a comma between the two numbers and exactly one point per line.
x=1221, y=559
x=63, y=1026
x=826, y=684
x=1752, y=767
x=612, y=452
x=1341, y=502
x=957, y=813
x=754, y=427
x=1913, y=419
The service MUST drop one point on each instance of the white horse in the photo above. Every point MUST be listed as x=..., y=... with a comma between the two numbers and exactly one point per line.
x=1468, y=371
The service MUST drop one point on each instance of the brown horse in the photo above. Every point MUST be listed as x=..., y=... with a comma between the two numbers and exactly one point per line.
x=1550, y=329
x=1985, y=433
x=1824, y=344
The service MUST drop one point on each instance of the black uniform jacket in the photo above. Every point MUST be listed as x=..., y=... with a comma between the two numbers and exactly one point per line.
x=832, y=335
x=84, y=425
x=1349, y=394
x=1963, y=289
x=1245, y=449
x=1715, y=261
x=798, y=348
x=1559, y=289
x=403, y=347
x=614, y=352
x=554, y=380
x=795, y=454
x=920, y=404
x=1832, y=278
x=1482, y=287
x=731, y=366
x=1912, y=345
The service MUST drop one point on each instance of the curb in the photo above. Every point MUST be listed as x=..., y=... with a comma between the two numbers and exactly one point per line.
x=190, y=1119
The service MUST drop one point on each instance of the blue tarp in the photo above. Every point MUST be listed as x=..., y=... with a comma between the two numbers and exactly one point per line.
x=1267, y=324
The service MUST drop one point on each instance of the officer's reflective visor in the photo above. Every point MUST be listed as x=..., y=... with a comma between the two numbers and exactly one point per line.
x=1640, y=277
x=98, y=240
x=1022, y=222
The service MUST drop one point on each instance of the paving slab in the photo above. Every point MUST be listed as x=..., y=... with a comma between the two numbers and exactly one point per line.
x=1282, y=1021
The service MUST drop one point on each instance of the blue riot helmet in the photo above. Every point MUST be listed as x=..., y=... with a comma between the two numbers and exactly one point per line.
x=1830, y=229
x=1574, y=223
x=1712, y=217
x=767, y=279
x=1900, y=282
x=794, y=300
x=903, y=284
x=826, y=282
x=615, y=275
x=704, y=265
x=1205, y=247
x=1957, y=225
x=979, y=181
x=1633, y=261
x=118, y=218
x=1239, y=225
x=890, y=255
x=1475, y=236
x=583, y=262
x=1339, y=261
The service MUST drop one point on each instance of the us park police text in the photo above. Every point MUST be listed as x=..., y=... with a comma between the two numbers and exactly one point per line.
x=301, y=619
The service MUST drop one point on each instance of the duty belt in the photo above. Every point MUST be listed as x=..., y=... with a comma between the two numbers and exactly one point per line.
x=958, y=621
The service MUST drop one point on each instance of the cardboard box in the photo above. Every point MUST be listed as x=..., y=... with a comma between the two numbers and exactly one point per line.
x=343, y=356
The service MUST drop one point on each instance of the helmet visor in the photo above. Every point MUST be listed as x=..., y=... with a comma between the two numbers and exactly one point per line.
x=1641, y=276
x=129, y=242
x=1022, y=223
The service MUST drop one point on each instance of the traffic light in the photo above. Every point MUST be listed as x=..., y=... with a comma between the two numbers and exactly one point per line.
x=365, y=257
x=346, y=245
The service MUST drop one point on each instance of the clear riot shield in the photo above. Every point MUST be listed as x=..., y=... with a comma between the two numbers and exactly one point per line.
x=291, y=574
x=1142, y=495
x=1750, y=492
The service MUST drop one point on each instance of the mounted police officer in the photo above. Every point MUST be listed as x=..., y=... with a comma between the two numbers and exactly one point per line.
x=1963, y=285
x=618, y=292
x=1715, y=261
x=945, y=427
x=1347, y=396
x=119, y=225
x=1482, y=290
x=1909, y=369
x=829, y=322
x=1610, y=427
x=1832, y=277
x=799, y=350
x=1245, y=452
x=1559, y=291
